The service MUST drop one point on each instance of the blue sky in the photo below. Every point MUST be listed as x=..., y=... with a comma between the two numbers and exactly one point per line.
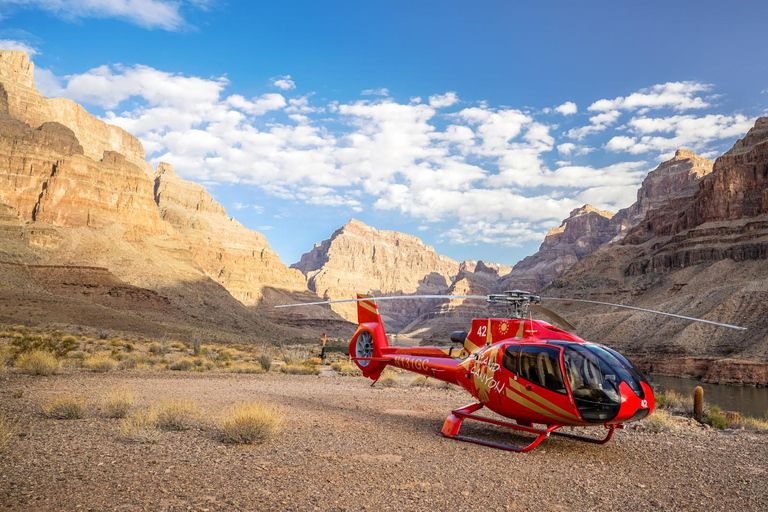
x=475, y=125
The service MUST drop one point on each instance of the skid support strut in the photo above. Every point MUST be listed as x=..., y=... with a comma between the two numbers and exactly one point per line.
x=454, y=420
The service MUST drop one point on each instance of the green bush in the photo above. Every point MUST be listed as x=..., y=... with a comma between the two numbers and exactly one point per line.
x=54, y=343
x=716, y=418
x=266, y=362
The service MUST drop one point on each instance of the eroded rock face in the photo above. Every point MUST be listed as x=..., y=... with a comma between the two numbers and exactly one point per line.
x=672, y=180
x=704, y=255
x=229, y=253
x=22, y=101
x=360, y=259
x=584, y=230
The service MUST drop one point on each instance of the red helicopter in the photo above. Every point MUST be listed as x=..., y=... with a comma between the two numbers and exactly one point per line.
x=523, y=369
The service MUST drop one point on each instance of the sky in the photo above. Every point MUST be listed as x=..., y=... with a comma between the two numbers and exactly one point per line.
x=477, y=126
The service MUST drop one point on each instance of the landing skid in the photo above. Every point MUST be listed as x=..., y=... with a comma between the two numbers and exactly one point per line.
x=454, y=420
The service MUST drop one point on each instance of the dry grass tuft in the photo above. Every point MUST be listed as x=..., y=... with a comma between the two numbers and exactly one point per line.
x=117, y=402
x=388, y=380
x=674, y=401
x=345, y=368
x=659, y=421
x=265, y=361
x=37, y=362
x=7, y=432
x=179, y=414
x=184, y=364
x=241, y=367
x=252, y=422
x=66, y=406
x=101, y=363
x=299, y=369
x=422, y=381
x=141, y=427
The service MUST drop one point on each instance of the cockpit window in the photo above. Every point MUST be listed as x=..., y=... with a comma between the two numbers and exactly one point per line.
x=594, y=382
x=509, y=361
x=541, y=365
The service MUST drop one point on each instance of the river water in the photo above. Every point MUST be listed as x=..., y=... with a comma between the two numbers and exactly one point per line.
x=746, y=400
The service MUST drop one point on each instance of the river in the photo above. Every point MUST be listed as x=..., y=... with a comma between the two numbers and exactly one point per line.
x=746, y=400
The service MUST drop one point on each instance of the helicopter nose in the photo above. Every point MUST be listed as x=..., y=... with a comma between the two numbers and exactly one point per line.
x=634, y=407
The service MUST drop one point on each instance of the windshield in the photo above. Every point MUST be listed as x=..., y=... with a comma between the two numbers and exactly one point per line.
x=594, y=382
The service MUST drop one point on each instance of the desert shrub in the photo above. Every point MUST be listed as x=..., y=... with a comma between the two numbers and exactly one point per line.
x=117, y=402
x=184, y=364
x=242, y=367
x=295, y=355
x=388, y=380
x=674, y=401
x=299, y=369
x=7, y=432
x=115, y=343
x=266, y=362
x=179, y=414
x=128, y=347
x=659, y=421
x=159, y=349
x=101, y=363
x=196, y=344
x=252, y=422
x=37, y=362
x=77, y=355
x=65, y=406
x=755, y=424
x=56, y=344
x=716, y=418
x=423, y=381
x=178, y=345
x=102, y=334
x=141, y=427
x=345, y=368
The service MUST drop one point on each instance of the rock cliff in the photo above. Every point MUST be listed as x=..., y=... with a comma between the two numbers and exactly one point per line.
x=77, y=201
x=703, y=255
x=360, y=259
x=584, y=230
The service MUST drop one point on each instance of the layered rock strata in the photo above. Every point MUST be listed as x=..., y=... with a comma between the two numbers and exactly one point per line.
x=704, y=255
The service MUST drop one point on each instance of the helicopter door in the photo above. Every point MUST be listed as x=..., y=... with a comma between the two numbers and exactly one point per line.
x=540, y=387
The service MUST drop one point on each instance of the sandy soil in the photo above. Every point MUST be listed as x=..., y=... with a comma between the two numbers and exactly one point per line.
x=348, y=446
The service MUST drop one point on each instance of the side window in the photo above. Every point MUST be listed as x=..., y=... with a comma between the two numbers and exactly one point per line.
x=510, y=359
x=541, y=365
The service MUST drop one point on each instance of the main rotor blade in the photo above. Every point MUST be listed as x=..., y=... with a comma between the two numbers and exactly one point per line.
x=647, y=311
x=552, y=315
x=394, y=297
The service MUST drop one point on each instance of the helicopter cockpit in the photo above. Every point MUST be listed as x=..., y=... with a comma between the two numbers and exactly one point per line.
x=593, y=374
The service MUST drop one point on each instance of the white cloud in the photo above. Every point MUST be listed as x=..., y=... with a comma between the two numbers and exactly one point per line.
x=285, y=83
x=443, y=100
x=568, y=108
x=383, y=91
x=688, y=131
x=489, y=172
x=598, y=123
x=162, y=14
x=12, y=44
x=675, y=95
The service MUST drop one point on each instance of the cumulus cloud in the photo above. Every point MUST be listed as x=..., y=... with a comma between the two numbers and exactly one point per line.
x=443, y=100
x=162, y=14
x=383, y=91
x=676, y=95
x=285, y=83
x=568, y=108
x=487, y=171
x=666, y=134
x=12, y=44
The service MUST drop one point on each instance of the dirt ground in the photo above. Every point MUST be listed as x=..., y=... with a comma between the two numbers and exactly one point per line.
x=347, y=446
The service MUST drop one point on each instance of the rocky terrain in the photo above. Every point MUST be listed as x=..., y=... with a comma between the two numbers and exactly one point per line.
x=701, y=255
x=586, y=228
x=78, y=196
x=360, y=259
x=348, y=446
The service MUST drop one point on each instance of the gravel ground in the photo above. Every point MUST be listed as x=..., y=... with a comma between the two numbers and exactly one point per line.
x=347, y=446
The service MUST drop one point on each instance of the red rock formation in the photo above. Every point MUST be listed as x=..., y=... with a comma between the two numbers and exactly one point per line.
x=584, y=230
